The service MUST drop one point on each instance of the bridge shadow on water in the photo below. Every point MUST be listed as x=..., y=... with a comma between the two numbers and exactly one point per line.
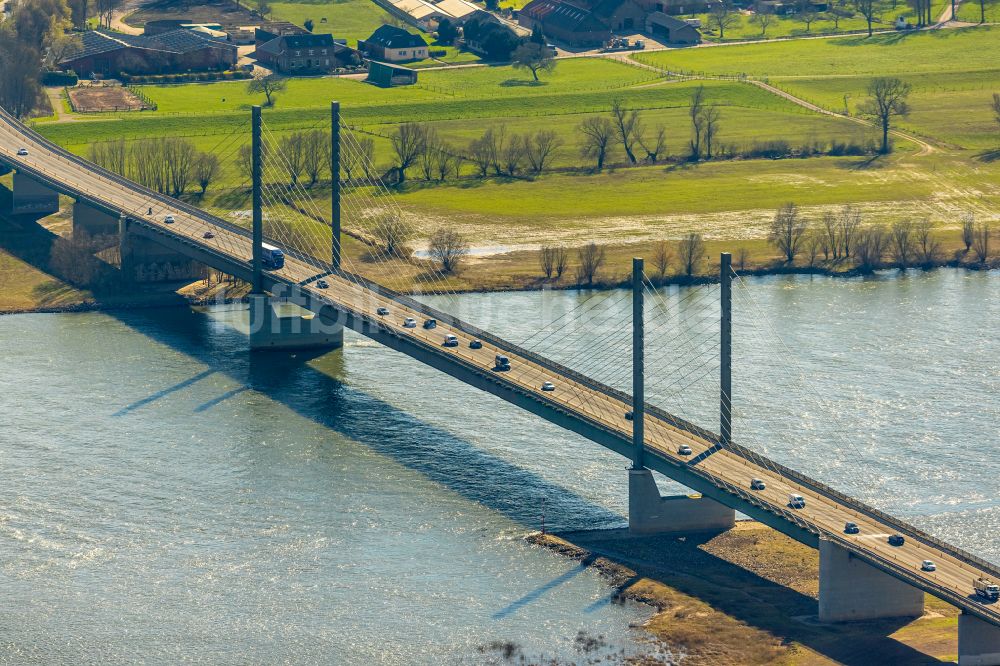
x=688, y=566
x=314, y=391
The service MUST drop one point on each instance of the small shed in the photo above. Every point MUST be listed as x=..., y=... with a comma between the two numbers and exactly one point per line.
x=386, y=75
x=671, y=30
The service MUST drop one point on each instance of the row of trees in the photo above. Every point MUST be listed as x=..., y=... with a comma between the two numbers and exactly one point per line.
x=843, y=236
x=590, y=259
x=168, y=165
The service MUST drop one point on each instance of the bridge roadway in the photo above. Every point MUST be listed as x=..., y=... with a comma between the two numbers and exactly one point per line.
x=578, y=403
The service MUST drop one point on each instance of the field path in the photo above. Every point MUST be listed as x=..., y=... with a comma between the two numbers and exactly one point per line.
x=926, y=148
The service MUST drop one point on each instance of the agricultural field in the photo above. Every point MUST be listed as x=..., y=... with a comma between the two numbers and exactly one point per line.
x=344, y=19
x=951, y=70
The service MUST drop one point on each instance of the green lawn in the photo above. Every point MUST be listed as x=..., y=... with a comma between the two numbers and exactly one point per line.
x=972, y=49
x=345, y=19
x=969, y=11
x=951, y=107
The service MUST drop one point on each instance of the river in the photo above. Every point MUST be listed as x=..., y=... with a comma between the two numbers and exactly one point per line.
x=166, y=496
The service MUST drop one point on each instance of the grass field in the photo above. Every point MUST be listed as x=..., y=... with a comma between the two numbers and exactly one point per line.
x=936, y=51
x=345, y=19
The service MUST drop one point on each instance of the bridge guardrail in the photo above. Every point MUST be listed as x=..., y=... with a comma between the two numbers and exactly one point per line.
x=500, y=343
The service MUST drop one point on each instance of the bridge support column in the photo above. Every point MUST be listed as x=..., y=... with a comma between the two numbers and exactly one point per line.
x=144, y=260
x=281, y=325
x=93, y=221
x=850, y=589
x=649, y=513
x=32, y=198
x=978, y=642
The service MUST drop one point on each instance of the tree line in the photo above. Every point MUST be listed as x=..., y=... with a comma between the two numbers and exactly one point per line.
x=168, y=165
x=843, y=236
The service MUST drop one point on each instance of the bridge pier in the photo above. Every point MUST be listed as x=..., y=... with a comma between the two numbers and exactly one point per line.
x=32, y=197
x=94, y=221
x=283, y=325
x=649, y=513
x=144, y=260
x=978, y=642
x=850, y=589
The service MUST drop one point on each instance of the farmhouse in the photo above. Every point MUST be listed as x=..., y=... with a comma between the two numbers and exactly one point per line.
x=111, y=53
x=426, y=14
x=590, y=22
x=393, y=44
x=305, y=54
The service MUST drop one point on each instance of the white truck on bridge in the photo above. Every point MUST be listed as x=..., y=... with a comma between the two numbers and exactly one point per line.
x=986, y=588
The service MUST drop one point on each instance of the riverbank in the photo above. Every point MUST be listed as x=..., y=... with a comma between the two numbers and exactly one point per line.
x=748, y=596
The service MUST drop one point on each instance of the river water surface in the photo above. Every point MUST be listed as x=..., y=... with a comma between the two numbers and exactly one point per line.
x=167, y=496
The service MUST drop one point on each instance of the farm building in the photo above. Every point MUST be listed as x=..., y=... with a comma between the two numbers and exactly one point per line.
x=386, y=75
x=671, y=30
x=565, y=22
x=393, y=44
x=112, y=53
x=306, y=54
x=267, y=32
x=426, y=14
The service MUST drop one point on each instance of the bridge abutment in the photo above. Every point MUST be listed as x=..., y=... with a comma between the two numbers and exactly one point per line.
x=851, y=589
x=282, y=325
x=978, y=642
x=650, y=513
x=32, y=198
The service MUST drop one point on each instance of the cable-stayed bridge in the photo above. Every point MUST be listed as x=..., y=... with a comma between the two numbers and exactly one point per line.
x=862, y=575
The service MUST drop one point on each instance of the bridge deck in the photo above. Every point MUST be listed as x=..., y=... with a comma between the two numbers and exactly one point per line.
x=578, y=403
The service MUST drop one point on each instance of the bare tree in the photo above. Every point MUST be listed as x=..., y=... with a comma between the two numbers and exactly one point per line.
x=512, y=155
x=887, y=99
x=409, y=142
x=293, y=151
x=869, y=9
x=787, y=230
x=762, y=16
x=628, y=126
x=445, y=162
x=539, y=148
x=112, y=155
x=808, y=15
x=848, y=223
x=547, y=259
x=392, y=232
x=428, y=153
x=496, y=139
x=591, y=258
x=315, y=146
x=870, y=247
x=180, y=156
x=448, y=247
x=361, y=155
x=831, y=229
x=561, y=258
x=695, y=112
x=722, y=14
x=480, y=155
x=968, y=230
x=742, y=257
x=929, y=246
x=269, y=84
x=710, y=127
x=597, y=132
x=813, y=242
x=656, y=145
x=901, y=235
x=995, y=107
x=691, y=250
x=981, y=242
x=206, y=169
x=661, y=258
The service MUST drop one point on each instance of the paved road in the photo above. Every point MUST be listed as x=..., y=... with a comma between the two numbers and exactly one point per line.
x=823, y=513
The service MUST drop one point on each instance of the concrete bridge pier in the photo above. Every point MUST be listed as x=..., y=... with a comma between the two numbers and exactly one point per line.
x=142, y=260
x=282, y=325
x=32, y=198
x=649, y=513
x=850, y=589
x=978, y=642
x=94, y=221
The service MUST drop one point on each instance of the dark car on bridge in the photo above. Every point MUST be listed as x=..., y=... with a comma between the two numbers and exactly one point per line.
x=502, y=363
x=430, y=323
x=851, y=528
x=896, y=540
